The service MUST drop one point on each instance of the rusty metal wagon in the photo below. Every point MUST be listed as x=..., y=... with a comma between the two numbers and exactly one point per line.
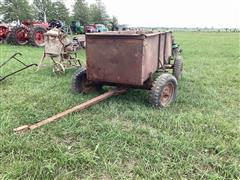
x=61, y=50
x=150, y=61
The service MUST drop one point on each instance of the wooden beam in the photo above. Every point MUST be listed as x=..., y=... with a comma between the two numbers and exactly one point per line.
x=85, y=105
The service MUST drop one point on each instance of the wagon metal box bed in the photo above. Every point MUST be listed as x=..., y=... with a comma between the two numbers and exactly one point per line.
x=131, y=59
x=126, y=58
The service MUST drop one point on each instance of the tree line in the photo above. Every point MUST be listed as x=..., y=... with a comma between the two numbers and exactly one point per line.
x=13, y=10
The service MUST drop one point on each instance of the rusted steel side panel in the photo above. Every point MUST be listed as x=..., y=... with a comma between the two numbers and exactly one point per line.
x=150, y=56
x=165, y=48
x=168, y=47
x=115, y=60
x=161, y=49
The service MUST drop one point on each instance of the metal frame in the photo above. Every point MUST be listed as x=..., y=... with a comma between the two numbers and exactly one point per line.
x=61, y=57
x=13, y=57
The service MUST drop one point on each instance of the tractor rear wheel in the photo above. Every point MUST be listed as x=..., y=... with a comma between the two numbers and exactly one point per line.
x=36, y=36
x=80, y=83
x=3, y=32
x=164, y=91
x=18, y=36
x=178, y=67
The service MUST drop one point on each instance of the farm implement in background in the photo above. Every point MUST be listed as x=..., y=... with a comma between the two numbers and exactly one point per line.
x=61, y=50
x=28, y=32
x=93, y=28
x=76, y=27
x=15, y=58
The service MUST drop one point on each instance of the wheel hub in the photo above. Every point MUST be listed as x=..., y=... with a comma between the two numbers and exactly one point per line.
x=39, y=38
x=167, y=94
x=22, y=36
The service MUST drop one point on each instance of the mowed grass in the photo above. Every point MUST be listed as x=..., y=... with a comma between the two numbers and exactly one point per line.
x=124, y=137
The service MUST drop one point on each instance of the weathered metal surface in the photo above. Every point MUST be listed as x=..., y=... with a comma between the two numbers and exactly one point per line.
x=168, y=47
x=161, y=49
x=150, y=57
x=125, y=58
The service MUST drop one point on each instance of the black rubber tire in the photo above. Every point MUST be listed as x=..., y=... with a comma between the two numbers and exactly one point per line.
x=178, y=68
x=79, y=80
x=12, y=37
x=80, y=83
x=32, y=34
x=158, y=87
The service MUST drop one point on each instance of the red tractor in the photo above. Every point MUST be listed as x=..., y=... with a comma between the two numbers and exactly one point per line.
x=31, y=32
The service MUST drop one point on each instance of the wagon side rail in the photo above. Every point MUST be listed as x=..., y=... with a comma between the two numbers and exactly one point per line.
x=164, y=50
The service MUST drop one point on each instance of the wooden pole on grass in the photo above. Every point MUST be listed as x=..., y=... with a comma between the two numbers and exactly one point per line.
x=85, y=105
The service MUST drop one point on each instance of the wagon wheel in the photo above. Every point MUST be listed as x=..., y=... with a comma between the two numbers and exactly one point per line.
x=164, y=90
x=36, y=36
x=80, y=83
x=178, y=67
x=18, y=35
x=58, y=68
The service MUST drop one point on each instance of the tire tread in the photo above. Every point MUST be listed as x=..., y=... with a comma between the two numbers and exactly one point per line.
x=157, y=87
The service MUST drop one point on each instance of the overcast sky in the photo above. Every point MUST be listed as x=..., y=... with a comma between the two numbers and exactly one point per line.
x=174, y=13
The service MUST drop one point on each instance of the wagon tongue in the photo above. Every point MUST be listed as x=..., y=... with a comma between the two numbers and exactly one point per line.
x=85, y=105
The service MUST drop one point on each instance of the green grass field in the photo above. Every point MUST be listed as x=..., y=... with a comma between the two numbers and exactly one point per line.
x=197, y=137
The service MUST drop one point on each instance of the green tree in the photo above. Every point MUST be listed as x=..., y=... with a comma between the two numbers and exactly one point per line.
x=98, y=13
x=94, y=14
x=59, y=11
x=104, y=17
x=114, y=23
x=81, y=11
x=13, y=10
x=42, y=9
